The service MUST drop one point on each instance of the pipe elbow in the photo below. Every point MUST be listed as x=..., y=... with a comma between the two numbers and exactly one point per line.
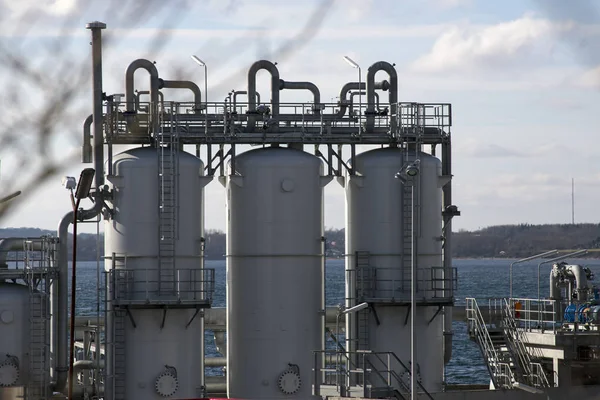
x=86, y=149
x=129, y=73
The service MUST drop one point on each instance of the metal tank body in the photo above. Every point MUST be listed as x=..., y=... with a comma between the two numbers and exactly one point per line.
x=376, y=223
x=159, y=342
x=274, y=273
x=14, y=342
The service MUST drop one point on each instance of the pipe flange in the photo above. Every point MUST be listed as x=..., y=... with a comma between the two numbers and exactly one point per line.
x=9, y=373
x=289, y=382
x=166, y=384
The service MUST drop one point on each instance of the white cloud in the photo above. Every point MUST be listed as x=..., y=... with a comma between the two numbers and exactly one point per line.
x=469, y=47
x=589, y=78
x=52, y=7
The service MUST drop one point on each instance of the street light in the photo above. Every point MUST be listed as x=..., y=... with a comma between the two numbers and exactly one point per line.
x=203, y=64
x=408, y=176
x=353, y=64
x=82, y=190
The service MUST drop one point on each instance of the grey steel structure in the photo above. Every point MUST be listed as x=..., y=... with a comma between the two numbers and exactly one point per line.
x=28, y=360
x=153, y=177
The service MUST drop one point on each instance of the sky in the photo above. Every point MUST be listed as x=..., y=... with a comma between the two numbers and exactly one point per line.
x=523, y=77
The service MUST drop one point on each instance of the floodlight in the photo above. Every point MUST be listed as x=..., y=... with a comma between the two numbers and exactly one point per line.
x=85, y=183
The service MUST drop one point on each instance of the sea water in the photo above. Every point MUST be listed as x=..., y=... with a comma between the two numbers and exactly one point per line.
x=479, y=278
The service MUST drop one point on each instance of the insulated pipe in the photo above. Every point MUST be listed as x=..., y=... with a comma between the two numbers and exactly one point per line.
x=393, y=92
x=184, y=85
x=13, y=244
x=60, y=293
x=129, y=91
x=81, y=365
x=257, y=66
x=554, y=288
x=303, y=86
x=580, y=278
x=86, y=148
x=382, y=85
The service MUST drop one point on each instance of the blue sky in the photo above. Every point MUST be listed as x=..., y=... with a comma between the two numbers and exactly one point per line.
x=523, y=78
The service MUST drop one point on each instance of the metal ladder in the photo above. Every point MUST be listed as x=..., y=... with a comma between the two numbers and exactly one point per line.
x=119, y=377
x=366, y=286
x=38, y=328
x=168, y=174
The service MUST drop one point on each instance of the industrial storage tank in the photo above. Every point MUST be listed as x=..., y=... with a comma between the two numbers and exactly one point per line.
x=274, y=273
x=14, y=343
x=158, y=346
x=378, y=218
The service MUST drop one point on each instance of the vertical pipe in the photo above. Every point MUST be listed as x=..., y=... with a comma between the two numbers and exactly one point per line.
x=447, y=250
x=73, y=294
x=413, y=289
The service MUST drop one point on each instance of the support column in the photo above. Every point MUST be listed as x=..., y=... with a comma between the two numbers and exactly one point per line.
x=562, y=373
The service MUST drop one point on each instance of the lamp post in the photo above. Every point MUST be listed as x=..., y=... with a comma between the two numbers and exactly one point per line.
x=353, y=64
x=203, y=64
x=82, y=190
x=408, y=175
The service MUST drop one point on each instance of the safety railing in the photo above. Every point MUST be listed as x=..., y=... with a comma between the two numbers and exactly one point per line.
x=500, y=374
x=534, y=314
x=538, y=376
x=215, y=120
x=141, y=286
x=436, y=284
x=372, y=371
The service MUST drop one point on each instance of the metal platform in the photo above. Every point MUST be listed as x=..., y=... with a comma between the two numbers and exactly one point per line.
x=219, y=123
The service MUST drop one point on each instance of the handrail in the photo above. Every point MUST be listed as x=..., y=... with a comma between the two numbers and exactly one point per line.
x=517, y=340
x=366, y=359
x=485, y=343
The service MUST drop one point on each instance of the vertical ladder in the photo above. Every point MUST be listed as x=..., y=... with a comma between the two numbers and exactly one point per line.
x=168, y=162
x=119, y=377
x=38, y=328
x=407, y=230
x=365, y=288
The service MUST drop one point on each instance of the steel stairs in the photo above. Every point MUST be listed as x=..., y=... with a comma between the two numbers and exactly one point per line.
x=503, y=349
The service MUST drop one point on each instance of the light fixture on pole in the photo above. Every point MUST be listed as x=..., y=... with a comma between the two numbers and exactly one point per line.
x=203, y=64
x=353, y=64
x=408, y=175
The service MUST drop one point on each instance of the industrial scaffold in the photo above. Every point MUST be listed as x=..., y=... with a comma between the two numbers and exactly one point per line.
x=392, y=336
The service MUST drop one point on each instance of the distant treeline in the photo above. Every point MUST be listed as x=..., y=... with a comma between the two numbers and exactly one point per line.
x=511, y=241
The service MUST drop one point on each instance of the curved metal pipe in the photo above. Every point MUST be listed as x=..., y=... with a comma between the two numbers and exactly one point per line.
x=86, y=148
x=130, y=94
x=257, y=66
x=60, y=293
x=184, y=85
x=13, y=244
x=238, y=92
x=161, y=99
x=304, y=86
x=554, y=288
x=360, y=93
x=382, y=85
x=580, y=277
x=393, y=93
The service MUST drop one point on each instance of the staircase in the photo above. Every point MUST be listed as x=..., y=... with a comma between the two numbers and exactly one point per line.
x=503, y=347
x=168, y=159
x=501, y=371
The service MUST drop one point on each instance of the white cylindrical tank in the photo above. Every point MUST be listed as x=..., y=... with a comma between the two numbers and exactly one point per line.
x=376, y=222
x=274, y=257
x=161, y=353
x=14, y=343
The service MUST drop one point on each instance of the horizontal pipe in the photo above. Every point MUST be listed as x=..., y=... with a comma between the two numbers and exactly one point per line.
x=184, y=85
x=86, y=365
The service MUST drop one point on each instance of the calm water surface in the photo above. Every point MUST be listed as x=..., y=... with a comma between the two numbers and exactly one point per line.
x=479, y=278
